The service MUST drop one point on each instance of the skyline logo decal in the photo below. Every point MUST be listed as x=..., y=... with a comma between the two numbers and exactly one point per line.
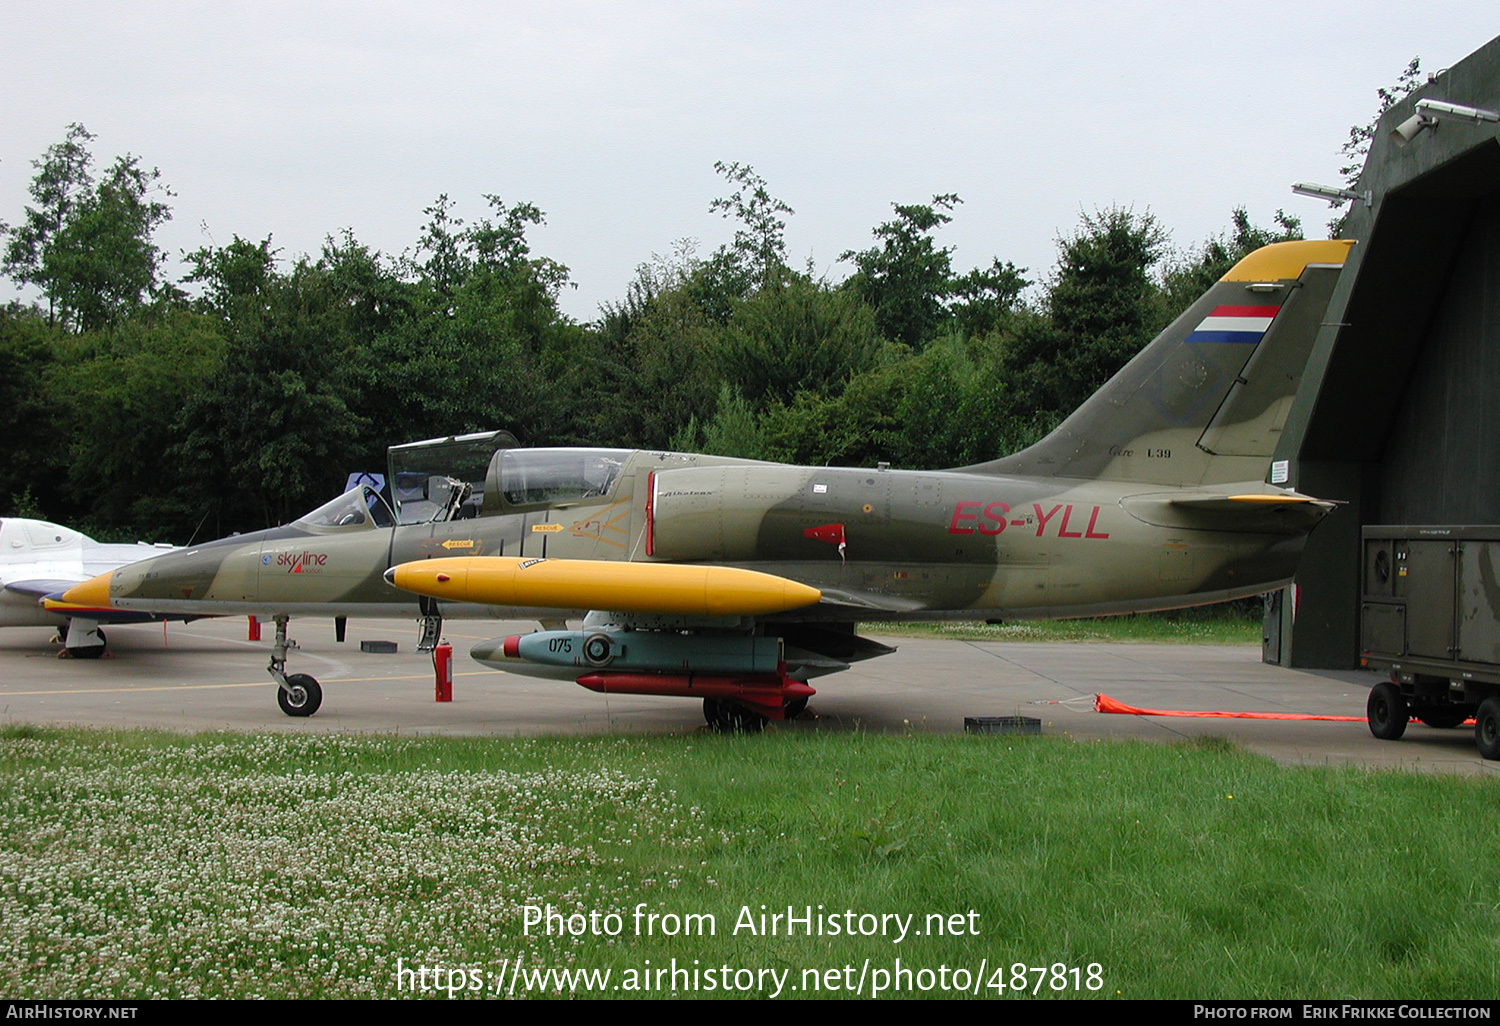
x=1235, y=324
x=302, y=562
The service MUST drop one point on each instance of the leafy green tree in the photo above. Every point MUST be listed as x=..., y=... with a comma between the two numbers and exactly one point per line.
x=1102, y=306
x=32, y=429
x=735, y=430
x=64, y=176
x=756, y=258
x=121, y=394
x=909, y=282
x=237, y=274
x=88, y=244
x=655, y=277
x=849, y=429
x=271, y=430
x=645, y=388
x=983, y=299
x=907, y=278
x=475, y=338
x=803, y=337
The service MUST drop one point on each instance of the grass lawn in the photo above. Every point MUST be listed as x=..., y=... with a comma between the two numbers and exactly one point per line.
x=137, y=864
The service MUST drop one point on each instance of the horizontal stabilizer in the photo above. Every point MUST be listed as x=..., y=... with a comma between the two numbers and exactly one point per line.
x=1246, y=507
x=1235, y=503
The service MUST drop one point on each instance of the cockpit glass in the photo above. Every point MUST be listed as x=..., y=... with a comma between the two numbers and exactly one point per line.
x=359, y=508
x=443, y=478
x=530, y=477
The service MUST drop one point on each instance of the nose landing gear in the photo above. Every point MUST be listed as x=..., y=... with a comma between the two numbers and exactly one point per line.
x=299, y=694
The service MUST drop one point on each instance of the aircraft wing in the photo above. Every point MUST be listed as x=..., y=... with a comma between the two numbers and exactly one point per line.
x=40, y=588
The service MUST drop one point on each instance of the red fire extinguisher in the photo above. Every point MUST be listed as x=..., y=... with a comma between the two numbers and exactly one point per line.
x=442, y=662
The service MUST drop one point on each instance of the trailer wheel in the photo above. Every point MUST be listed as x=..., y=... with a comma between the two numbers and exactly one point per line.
x=1487, y=728
x=1386, y=710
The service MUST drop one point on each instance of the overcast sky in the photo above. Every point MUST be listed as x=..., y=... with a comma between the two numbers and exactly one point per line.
x=301, y=119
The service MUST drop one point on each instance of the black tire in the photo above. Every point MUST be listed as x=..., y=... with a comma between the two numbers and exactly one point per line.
x=742, y=720
x=1386, y=710
x=90, y=651
x=301, y=696
x=713, y=713
x=796, y=707
x=1443, y=717
x=1487, y=728
x=732, y=718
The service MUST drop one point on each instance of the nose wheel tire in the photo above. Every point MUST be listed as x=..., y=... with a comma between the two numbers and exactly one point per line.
x=89, y=651
x=301, y=696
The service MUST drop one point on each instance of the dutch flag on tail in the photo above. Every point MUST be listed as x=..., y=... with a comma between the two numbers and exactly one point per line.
x=1234, y=324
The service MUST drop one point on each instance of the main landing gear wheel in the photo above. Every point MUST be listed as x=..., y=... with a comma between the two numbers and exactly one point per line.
x=1387, y=712
x=88, y=640
x=301, y=696
x=729, y=718
x=89, y=651
x=796, y=707
x=1487, y=728
x=1442, y=718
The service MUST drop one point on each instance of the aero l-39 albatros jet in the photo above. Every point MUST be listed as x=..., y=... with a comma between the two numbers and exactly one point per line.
x=737, y=581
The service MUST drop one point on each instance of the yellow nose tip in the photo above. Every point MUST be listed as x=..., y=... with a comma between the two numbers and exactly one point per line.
x=93, y=593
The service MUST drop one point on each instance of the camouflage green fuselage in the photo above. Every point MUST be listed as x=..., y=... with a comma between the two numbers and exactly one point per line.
x=880, y=544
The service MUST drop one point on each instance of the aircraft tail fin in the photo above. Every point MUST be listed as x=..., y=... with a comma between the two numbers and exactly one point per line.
x=1205, y=401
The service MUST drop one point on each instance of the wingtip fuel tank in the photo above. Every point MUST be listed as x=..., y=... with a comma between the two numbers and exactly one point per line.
x=585, y=584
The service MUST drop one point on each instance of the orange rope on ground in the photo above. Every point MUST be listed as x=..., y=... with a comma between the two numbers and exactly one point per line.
x=1105, y=704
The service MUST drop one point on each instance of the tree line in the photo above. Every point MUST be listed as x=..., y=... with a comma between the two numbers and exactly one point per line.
x=243, y=393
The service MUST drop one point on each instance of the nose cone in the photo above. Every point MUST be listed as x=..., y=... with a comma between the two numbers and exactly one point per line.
x=501, y=652
x=91, y=594
x=432, y=577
